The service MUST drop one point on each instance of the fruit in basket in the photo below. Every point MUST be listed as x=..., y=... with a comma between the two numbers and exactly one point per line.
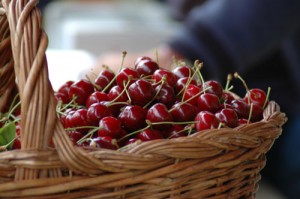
x=148, y=102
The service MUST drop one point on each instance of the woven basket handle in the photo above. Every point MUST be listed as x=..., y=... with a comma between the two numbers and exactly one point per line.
x=39, y=122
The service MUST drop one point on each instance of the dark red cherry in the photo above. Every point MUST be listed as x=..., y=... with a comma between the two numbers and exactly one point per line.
x=256, y=96
x=182, y=84
x=75, y=136
x=133, y=117
x=191, y=94
x=78, y=119
x=141, y=92
x=96, y=97
x=141, y=58
x=257, y=113
x=64, y=98
x=171, y=79
x=228, y=117
x=104, y=142
x=208, y=102
x=241, y=108
x=159, y=113
x=124, y=76
x=183, y=112
x=17, y=143
x=146, y=67
x=177, y=130
x=65, y=87
x=96, y=112
x=182, y=71
x=227, y=97
x=206, y=120
x=166, y=95
x=109, y=126
x=81, y=90
x=104, y=78
x=149, y=134
x=214, y=87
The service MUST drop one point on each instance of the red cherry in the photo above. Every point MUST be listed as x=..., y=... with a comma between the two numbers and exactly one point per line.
x=206, y=120
x=175, y=131
x=208, y=102
x=182, y=83
x=257, y=113
x=81, y=90
x=159, y=113
x=191, y=93
x=242, y=121
x=79, y=119
x=166, y=95
x=109, y=126
x=149, y=134
x=160, y=73
x=133, y=117
x=215, y=87
x=227, y=97
x=146, y=67
x=241, y=108
x=96, y=112
x=17, y=143
x=182, y=71
x=183, y=112
x=75, y=136
x=228, y=117
x=65, y=87
x=64, y=98
x=141, y=92
x=139, y=59
x=96, y=97
x=123, y=76
x=256, y=96
x=104, y=78
x=105, y=142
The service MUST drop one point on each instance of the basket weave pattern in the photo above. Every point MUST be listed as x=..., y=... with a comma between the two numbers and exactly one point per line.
x=216, y=163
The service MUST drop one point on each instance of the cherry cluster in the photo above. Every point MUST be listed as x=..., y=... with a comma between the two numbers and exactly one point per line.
x=148, y=102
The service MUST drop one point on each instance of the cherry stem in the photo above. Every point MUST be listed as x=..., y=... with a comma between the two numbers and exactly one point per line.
x=124, y=90
x=162, y=82
x=156, y=55
x=250, y=113
x=200, y=65
x=188, y=83
x=267, y=98
x=229, y=78
x=89, y=134
x=135, y=132
x=196, y=95
x=124, y=53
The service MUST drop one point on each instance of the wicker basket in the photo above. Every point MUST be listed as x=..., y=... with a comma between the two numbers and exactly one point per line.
x=217, y=163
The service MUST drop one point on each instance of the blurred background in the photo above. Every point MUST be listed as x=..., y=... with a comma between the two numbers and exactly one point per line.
x=79, y=31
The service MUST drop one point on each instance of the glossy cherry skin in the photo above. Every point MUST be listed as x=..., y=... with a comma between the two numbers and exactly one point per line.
x=256, y=96
x=149, y=134
x=104, y=142
x=166, y=95
x=171, y=79
x=133, y=117
x=115, y=94
x=241, y=108
x=182, y=84
x=175, y=131
x=62, y=98
x=75, y=136
x=81, y=90
x=141, y=58
x=65, y=87
x=183, y=112
x=182, y=71
x=159, y=113
x=192, y=93
x=96, y=97
x=79, y=119
x=141, y=92
x=208, y=102
x=96, y=112
x=228, y=117
x=227, y=97
x=124, y=75
x=104, y=78
x=109, y=126
x=257, y=113
x=215, y=87
x=206, y=120
x=146, y=67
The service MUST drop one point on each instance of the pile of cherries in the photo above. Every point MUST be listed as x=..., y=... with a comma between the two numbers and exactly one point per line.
x=148, y=102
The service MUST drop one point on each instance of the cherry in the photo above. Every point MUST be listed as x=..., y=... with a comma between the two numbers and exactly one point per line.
x=96, y=112
x=75, y=136
x=17, y=143
x=146, y=67
x=105, y=142
x=256, y=112
x=116, y=95
x=124, y=76
x=160, y=73
x=183, y=112
x=141, y=58
x=78, y=118
x=141, y=92
x=182, y=83
x=109, y=126
x=208, y=102
x=256, y=96
x=242, y=121
x=228, y=117
x=159, y=113
x=65, y=87
x=81, y=90
x=191, y=93
x=166, y=95
x=105, y=78
x=64, y=98
x=133, y=117
x=206, y=120
x=96, y=97
x=215, y=87
x=241, y=108
x=149, y=134
x=227, y=97
x=182, y=71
